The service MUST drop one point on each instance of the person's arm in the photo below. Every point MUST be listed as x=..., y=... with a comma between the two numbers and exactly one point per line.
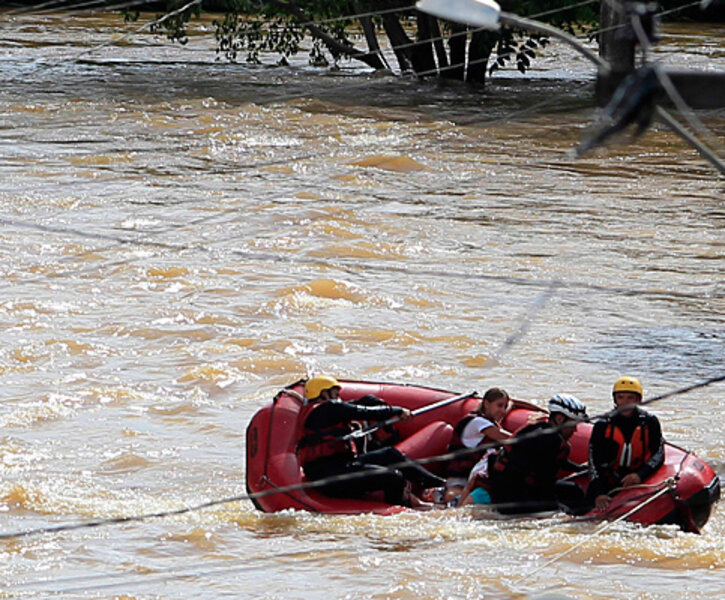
x=494, y=434
x=597, y=462
x=570, y=465
x=333, y=412
x=465, y=497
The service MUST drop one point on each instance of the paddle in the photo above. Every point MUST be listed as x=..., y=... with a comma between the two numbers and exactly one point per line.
x=418, y=411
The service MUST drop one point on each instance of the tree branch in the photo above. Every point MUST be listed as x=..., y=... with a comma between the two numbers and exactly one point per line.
x=369, y=58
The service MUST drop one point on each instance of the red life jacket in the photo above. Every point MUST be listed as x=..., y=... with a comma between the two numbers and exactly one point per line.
x=314, y=444
x=631, y=454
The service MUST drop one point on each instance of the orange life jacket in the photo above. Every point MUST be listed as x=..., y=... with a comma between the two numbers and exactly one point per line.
x=631, y=454
x=314, y=444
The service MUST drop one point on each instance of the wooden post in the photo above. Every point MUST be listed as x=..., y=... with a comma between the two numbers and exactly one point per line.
x=616, y=46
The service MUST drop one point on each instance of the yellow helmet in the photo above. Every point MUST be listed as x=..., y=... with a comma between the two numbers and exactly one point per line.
x=627, y=384
x=318, y=384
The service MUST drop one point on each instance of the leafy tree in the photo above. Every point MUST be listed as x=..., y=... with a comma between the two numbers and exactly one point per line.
x=422, y=44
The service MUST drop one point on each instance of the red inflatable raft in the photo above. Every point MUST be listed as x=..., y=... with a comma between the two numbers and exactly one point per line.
x=681, y=492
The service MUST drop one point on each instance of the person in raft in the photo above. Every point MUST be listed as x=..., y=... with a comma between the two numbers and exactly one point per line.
x=322, y=453
x=626, y=446
x=522, y=476
x=475, y=429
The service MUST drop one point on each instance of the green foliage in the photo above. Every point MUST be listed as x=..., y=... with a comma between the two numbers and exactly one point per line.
x=235, y=34
x=519, y=47
x=174, y=27
x=257, y=27
x=130, y=15
x=251, y=28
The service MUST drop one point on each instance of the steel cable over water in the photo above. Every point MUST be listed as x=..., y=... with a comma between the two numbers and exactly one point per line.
x=88, y=6
x=667, y=486
x=348, y=266
x=337, y=478
x=714, y=159
x=509, y=342
x=348, y=17
x=58, y=5
x=84, y=583
x=124, y=242
x=317, y=23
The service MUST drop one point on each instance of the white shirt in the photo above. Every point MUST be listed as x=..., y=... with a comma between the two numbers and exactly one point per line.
x=471, y=435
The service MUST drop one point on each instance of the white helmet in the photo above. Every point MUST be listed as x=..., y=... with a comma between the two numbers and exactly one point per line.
x=568, y=405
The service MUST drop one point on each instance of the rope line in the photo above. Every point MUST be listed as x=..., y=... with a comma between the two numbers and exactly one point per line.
x=85, y=582
x=525, y=322
x=113, y=42
x=54, y=6
x=669, y=87
x=667, y=486
x=663, y=77
x=433, y=71
x=328, y=480
x=354, y=267
x=591, y=34
x=58, y=5
x=313, y=23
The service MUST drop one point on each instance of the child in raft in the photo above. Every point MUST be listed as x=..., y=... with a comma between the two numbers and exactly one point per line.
x=480, y=427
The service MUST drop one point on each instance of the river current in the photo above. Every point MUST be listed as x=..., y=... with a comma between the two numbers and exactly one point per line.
x=181, y=237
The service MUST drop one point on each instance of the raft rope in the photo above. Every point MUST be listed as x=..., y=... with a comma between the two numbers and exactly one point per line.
x=668, y=485
x=307, y=484
x=682, y=506
x=271, y=483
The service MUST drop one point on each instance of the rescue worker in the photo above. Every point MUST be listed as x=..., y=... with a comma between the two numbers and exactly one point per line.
x=378, y=438
x=323, y=453
x=522, y=477
x=626, y=446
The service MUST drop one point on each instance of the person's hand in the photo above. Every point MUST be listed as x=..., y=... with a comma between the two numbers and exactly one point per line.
x=630, y=480
x=406, y=415
x=601, y=502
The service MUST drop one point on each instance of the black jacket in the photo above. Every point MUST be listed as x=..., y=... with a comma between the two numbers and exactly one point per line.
x=604, y=470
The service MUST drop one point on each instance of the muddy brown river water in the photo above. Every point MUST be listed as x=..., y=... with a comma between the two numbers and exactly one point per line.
x=180, y=237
